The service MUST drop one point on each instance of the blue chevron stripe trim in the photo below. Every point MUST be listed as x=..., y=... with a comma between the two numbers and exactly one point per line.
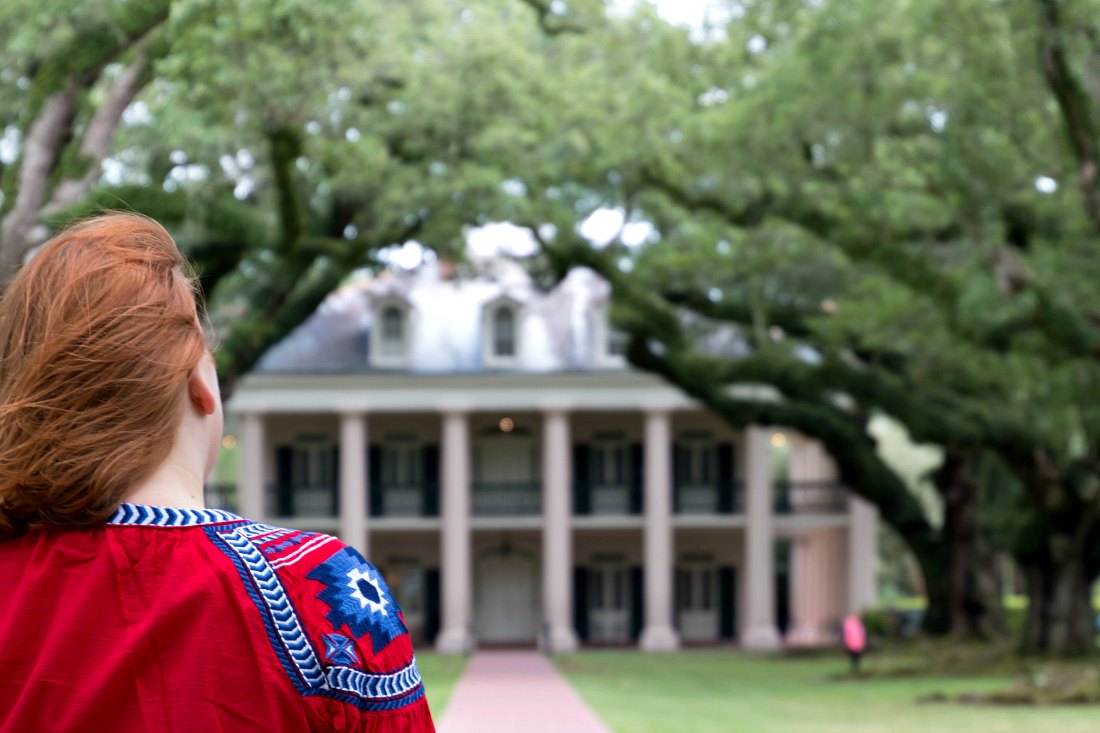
x=254, y=529
x=368, y=691
x=142, y=515
x=374, y=687
x=292, y=647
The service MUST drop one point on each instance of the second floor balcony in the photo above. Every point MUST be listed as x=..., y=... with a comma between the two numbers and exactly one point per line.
x=524, y=499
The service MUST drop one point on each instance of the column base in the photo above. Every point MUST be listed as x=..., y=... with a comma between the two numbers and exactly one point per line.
x=559, y=640
x=659, y=639
x=762, y=639
x=454, y=641
x=812, y=636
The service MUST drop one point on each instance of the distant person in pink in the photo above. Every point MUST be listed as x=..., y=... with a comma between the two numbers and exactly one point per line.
x=855, y=639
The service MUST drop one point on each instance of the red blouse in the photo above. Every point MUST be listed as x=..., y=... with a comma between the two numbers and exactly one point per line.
x=199, y=620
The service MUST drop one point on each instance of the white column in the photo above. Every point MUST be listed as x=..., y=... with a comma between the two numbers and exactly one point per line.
x=456, y=636
x=658, y=634
x=250, y=497
x=557, y=538
x=353, y=481
x=862, y=554
x=812, y=623
x=761, y=631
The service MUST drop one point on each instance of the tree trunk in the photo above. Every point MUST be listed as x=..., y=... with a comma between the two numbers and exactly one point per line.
x=972, y=591
x=1059, y=618
x=937, y=587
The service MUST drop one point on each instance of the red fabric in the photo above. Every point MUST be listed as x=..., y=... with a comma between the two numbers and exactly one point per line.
x=151, y=628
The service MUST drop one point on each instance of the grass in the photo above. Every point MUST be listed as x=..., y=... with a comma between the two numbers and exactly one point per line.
x=440, y=672
x=731, y=692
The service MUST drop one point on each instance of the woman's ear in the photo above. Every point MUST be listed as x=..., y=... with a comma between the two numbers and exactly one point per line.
x=202, y=387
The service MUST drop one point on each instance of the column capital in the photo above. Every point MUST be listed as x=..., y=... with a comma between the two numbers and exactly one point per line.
x=454, y=412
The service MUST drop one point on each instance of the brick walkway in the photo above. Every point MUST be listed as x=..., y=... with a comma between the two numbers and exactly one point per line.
x=515, y=692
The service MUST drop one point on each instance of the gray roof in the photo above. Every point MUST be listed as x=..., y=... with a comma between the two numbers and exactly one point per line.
x=559, y=329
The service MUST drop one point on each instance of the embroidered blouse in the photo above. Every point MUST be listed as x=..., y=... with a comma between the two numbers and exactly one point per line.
x=200, y=620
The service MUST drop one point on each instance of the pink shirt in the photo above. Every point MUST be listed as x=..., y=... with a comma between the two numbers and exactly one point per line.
x=855, y=636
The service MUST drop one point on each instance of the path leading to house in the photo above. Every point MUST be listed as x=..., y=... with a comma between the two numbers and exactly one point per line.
x=515, y=692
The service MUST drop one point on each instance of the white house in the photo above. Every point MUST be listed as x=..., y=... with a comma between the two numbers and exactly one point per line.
x=487, y=447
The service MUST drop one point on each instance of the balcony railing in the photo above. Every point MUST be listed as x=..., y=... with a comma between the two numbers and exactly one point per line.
x=607, y=499
x=525, y=499
x=493, y=499
x=415, y=500
x=722, y=497
x=810, y=497
x=221, y=496
x=302, y=501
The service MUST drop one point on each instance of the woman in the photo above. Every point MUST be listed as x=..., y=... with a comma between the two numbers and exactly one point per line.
x=128, y=606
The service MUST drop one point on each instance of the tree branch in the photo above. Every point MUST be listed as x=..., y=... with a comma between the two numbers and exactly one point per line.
x=100, y=131
x=1073, y=103
x=551, y=23
x=40, y=152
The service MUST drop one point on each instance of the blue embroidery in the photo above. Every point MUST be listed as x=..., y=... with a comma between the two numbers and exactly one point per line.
x=289, y=542
x=358, y=597
x=291, y=645
x=368, y=691
x=339, y=649
x=162, y=516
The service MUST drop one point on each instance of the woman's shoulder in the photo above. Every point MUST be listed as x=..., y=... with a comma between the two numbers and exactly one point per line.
x=330, y=615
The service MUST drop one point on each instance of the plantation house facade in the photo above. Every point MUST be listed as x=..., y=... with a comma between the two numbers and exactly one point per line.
x=485, y=445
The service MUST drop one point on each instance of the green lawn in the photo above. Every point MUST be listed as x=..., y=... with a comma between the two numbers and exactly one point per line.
x=440, y=672
x=731, y=692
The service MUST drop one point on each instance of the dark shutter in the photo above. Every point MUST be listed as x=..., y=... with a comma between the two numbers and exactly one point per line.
x=637, y=601
x=679, y=467
x=727, y=470
x=374, y=479
x=637, y=477
x=783, y=586
x=429, y=486
x=679, y=593
x=727, y=602
x=431, y=605
x=580, y=601
x=284, y=481
x=582, y=479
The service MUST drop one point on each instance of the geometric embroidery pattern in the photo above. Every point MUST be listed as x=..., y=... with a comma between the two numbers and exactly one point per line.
x=339, y=649
x=370, y=691
x=357, y=596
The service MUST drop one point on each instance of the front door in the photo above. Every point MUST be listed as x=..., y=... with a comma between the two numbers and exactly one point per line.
x=507, y=610
x=697, y=602
x=608, y=615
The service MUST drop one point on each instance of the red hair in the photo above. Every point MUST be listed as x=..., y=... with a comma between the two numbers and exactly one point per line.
x=98, y=334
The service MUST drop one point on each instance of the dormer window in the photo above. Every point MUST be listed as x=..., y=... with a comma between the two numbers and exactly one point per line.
x=502, y=327
x=393, y=332
x=390, y=336
x=504, y=333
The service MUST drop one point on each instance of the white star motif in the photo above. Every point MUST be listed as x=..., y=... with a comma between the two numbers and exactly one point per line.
x=355, y=575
